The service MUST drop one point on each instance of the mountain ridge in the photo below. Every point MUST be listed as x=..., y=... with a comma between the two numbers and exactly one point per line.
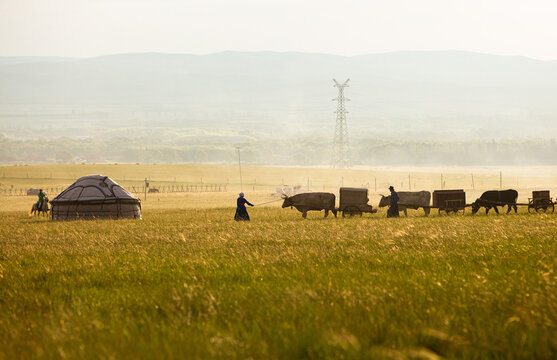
x=31, y=58
x=422, y=91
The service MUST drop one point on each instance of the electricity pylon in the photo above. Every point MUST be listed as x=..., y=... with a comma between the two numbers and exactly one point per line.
x=341, y=147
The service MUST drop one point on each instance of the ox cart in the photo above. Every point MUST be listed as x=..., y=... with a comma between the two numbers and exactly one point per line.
x=354, y=201
x=449, y=201
x=541, y=201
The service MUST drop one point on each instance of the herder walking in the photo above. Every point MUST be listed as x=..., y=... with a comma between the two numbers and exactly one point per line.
x=241, y=212
x=393, y=209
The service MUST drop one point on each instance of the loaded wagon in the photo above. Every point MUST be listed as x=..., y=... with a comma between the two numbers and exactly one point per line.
x=450, y=201
x=354, y=201
x=541, y=201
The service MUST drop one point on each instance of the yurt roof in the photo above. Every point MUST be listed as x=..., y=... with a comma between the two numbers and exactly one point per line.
x=94, y=188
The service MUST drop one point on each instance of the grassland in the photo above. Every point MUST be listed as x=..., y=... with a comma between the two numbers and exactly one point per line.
x=268, y=178
x=187, y=282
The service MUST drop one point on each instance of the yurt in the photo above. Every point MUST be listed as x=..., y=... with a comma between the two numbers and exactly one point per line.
x=95, y=197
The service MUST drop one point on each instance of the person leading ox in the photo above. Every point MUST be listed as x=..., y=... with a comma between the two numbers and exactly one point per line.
x=241, y=211
x=393, y=209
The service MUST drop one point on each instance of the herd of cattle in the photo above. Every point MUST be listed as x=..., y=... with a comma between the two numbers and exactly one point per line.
x=318, y=201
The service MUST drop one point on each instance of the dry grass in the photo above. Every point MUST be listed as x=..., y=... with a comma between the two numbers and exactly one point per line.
x=189, y=282
x=267, y=178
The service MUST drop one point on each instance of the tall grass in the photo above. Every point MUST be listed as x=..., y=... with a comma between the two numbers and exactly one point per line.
x=186, y=283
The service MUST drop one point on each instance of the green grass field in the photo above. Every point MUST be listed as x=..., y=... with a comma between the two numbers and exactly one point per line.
x=188, y=282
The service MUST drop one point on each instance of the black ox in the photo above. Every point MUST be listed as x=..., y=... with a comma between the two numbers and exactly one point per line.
x=493, y=198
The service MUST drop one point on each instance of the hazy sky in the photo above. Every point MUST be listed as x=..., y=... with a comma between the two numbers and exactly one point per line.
x=347, y=27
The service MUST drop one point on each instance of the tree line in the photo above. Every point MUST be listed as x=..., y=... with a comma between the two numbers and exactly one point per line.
x=296, y=152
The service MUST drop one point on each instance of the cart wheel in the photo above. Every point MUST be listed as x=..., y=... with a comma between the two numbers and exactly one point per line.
x=545, y=208
x=541, y=208
x=531, y=209
x=352, y=210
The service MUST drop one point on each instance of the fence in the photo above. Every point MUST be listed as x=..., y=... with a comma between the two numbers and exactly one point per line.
x=177, y=188
x=53, y=191
x=50, y=191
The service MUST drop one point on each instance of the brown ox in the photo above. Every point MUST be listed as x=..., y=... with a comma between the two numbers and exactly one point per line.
x=409, y=200
x=311, y=201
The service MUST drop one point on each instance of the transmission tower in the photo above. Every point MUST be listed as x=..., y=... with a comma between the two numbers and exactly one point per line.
x=341, y=148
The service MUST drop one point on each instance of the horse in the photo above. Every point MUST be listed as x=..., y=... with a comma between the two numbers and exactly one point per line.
x=44, y=208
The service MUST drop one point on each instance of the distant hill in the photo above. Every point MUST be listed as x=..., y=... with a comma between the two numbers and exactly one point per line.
x=406, y=94
x=7, y=60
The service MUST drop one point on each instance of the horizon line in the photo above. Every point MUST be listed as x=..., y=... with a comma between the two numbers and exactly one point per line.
x=274, y=52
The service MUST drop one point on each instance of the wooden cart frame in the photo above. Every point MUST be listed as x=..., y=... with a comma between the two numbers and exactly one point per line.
x=450, y=201
x=541, y=202
x=354, y=201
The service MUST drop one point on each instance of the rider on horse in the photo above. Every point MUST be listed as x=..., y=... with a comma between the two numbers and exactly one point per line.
x=41, y=195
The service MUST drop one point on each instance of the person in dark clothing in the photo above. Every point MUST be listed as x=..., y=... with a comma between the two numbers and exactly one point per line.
x=241, y=212
x=393, y=209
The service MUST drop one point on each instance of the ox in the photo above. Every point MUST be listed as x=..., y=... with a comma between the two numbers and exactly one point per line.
x=493, y=198
x=311, y=201
x=409, y=200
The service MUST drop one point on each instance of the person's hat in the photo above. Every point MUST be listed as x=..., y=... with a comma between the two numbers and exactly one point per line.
x=241, y=194
x=391, y=187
